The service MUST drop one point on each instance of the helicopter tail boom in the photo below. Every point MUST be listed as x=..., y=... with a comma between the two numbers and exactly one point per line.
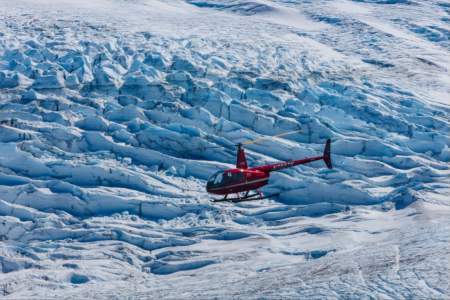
x=288, y=164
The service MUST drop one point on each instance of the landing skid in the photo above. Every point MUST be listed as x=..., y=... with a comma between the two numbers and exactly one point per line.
x=253, y=197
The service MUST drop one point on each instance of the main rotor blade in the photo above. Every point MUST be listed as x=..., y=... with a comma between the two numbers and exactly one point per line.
x=202, y=148
x=249, y=142
x=211, y=147
x=269, y=137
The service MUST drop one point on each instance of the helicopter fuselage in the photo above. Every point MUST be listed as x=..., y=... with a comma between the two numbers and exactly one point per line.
x=236, y=181
x=244, y=179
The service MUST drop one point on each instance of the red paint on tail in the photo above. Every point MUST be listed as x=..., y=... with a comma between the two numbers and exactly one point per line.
x=241, y=160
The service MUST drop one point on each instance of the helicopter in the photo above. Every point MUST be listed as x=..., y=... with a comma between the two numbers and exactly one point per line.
x=244, y=179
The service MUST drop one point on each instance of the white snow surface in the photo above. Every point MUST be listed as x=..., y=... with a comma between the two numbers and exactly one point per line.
x=107, y=108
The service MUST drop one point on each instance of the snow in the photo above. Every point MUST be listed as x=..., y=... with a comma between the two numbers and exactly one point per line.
x=109, y=110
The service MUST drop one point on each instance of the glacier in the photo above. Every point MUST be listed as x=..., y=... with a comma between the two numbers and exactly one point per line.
x=109, y=110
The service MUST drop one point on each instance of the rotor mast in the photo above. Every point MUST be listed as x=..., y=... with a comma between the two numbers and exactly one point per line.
x=241, y=162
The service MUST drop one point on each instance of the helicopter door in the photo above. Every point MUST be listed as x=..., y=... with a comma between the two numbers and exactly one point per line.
x=230, y=178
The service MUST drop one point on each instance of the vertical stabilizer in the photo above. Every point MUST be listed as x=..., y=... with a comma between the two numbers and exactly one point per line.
x=241, y=162
x=327, y=154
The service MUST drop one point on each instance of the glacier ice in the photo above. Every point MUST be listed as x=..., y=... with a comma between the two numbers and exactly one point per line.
x=110, y=109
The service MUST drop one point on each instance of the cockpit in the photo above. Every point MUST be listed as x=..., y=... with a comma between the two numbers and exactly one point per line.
x=216, y=178
x=220, y=179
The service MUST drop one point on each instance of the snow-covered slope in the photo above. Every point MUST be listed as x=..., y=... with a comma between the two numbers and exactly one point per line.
x=107, y=108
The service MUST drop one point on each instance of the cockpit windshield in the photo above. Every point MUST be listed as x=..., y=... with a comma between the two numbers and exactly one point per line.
x=225, y=178
x=216, y=178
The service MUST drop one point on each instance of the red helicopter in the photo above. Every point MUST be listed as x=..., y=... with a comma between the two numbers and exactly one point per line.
x=243, y=179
